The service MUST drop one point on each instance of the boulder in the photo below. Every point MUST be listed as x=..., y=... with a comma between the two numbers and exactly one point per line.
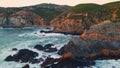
x=39, y=47
x=66, y=61
x=24, y=55
x=26, y=66
x=46, y=48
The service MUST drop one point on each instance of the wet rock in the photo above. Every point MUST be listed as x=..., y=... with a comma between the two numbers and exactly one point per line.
x=9, y=58
x=48, y=46
x=39, y=47
x=24, y=55
x=94, y=40
x=73, y=63
x=26, y=66
x=66, y=61
x=14, y=49
x=48, y=61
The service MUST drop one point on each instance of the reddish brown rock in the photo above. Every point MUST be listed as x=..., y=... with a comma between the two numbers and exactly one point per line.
x=21, y=19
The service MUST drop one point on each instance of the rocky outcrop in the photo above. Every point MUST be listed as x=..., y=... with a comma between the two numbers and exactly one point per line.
x=80, y=18
x=24, y=55
x=105, y=35
x=21, y=19
x=66, y=61
x=46, y=48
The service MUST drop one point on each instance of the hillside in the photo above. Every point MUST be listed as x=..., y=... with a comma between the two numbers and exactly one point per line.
x=112, y=4
x=82, y=16
x=46, y=12
x=20, y=19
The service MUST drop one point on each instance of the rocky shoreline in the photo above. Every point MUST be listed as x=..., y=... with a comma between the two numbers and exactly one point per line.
x=81, y=51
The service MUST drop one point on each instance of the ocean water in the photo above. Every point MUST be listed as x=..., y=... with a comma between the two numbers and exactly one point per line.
x=27, y=38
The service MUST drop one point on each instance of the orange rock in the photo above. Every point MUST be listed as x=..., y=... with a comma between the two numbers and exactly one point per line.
x=89, y=56
x=105, y=52
x=67, y=56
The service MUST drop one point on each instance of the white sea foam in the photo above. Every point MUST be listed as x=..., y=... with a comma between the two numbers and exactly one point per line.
x=107, y=64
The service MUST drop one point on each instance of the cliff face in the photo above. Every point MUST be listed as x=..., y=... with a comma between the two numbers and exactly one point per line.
x=105, y=35
x=82, y=16
x=20, y=19
x=31, y=15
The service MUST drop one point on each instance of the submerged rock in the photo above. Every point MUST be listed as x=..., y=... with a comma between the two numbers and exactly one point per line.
x=14, y=49
x=24, y=55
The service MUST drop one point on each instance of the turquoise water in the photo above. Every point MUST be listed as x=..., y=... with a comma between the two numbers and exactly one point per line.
x=27, y=38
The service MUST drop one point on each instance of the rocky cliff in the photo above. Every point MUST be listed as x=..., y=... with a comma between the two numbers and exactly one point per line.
x=105, y=35
x=20, y=19
x=30, y=15
x=82, y=16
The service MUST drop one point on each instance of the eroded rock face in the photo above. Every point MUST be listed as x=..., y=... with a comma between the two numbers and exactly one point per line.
x=105, y=35
x=76, y=22
x=21, y=19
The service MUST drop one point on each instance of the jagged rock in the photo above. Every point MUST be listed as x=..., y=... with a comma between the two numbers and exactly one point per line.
x=24, y=55
x=26, y=66
x=94, y=40
x=14, y=49
x=39, y=47
x=66, y=61
x=104, y=54
x=46, y=48
x=80, y=18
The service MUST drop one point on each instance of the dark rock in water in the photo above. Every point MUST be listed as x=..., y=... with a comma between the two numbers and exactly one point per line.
x=73, y=63
x=48, y=61
x=35, y=33
x=39, y=47
x=48, y=46
x=9, y=58
x=14, y=49
x=33, y=61
x=69, y=63
x=24, y=55
x=26, y=66
x=51, y=50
